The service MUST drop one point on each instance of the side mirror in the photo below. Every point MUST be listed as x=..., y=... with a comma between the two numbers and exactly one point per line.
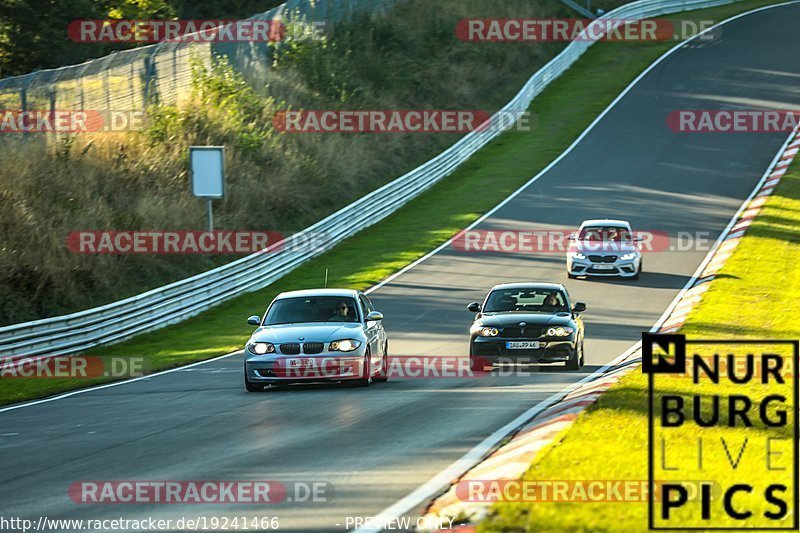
x=254, y=320
x=374, y=316
x=579, y=307
x=475, y=307
x=572, y=237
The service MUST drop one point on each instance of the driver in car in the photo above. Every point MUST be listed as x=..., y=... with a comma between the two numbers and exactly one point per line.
x=341, y=313
x=552, y=300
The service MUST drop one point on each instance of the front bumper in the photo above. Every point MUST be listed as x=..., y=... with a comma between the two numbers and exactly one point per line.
x=495, y=350
x=618, y=268
x=322, y=368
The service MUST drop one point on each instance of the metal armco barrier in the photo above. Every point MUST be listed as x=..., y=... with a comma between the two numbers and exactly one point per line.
x=180, y=300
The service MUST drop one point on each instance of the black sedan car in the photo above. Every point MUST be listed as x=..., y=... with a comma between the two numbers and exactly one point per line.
x=527, y=323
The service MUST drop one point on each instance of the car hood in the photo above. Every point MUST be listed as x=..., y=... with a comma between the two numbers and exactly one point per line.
x=312, y=332
x=531, y=319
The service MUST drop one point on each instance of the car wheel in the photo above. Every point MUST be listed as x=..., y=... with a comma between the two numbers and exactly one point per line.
x=638, y=272
x=582, y=361
x=383, y=375
x=252, y=387
x=574, y=359
x=366, y=373
x=476, y=363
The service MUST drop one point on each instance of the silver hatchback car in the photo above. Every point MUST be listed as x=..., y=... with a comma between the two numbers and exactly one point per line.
x=604, y=247
x=319, y=335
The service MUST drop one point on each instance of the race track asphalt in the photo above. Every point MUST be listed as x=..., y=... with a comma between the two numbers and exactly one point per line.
x=376, y=445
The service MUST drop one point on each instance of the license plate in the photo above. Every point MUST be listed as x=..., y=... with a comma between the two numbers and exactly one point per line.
x=603, y=267
x=301, y=363
x=522, y=345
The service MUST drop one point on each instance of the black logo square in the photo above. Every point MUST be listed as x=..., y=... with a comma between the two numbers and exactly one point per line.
x=663, y=354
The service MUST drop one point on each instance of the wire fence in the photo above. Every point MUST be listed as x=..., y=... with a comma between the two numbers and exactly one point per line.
x=132, y=79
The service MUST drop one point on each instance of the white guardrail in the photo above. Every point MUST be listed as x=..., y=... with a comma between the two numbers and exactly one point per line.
x=178, y=301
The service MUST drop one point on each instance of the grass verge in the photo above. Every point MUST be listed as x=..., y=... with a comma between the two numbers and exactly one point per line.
x=744, y=302
x=564, y=110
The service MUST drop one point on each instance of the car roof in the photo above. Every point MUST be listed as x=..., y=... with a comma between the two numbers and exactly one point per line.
x=530, y=285
x=305, y=293
x=606, y=222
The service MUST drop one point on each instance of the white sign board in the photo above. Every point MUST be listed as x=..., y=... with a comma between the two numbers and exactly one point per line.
x=208, y=171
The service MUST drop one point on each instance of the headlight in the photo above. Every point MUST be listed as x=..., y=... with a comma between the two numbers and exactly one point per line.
x=577, y=255
x=346, y=345
x=489, y=332
x=628, y=256
x=559, y=331
x=261, y=348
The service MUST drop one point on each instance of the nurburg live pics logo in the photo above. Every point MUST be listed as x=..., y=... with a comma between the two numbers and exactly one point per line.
x=735, y=423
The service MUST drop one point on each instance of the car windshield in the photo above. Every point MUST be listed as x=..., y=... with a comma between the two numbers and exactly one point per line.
x=605, y=234
x=527, y=300
x=312, y=309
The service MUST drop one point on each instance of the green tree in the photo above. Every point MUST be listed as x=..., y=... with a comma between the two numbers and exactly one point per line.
x=33, y=33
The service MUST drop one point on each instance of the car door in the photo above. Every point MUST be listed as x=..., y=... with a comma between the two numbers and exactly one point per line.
x=576, y=317
x=374, y=330
x=382, y=336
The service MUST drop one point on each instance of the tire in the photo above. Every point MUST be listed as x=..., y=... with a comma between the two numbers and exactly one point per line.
x=582, y=360
x=574, y=360
x=476, y=363
x=638, y=272
x=366, y=373
x=383, y=375
x=252, y=387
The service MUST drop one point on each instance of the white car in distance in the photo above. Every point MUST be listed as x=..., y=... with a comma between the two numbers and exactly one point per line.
x=604, y=247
